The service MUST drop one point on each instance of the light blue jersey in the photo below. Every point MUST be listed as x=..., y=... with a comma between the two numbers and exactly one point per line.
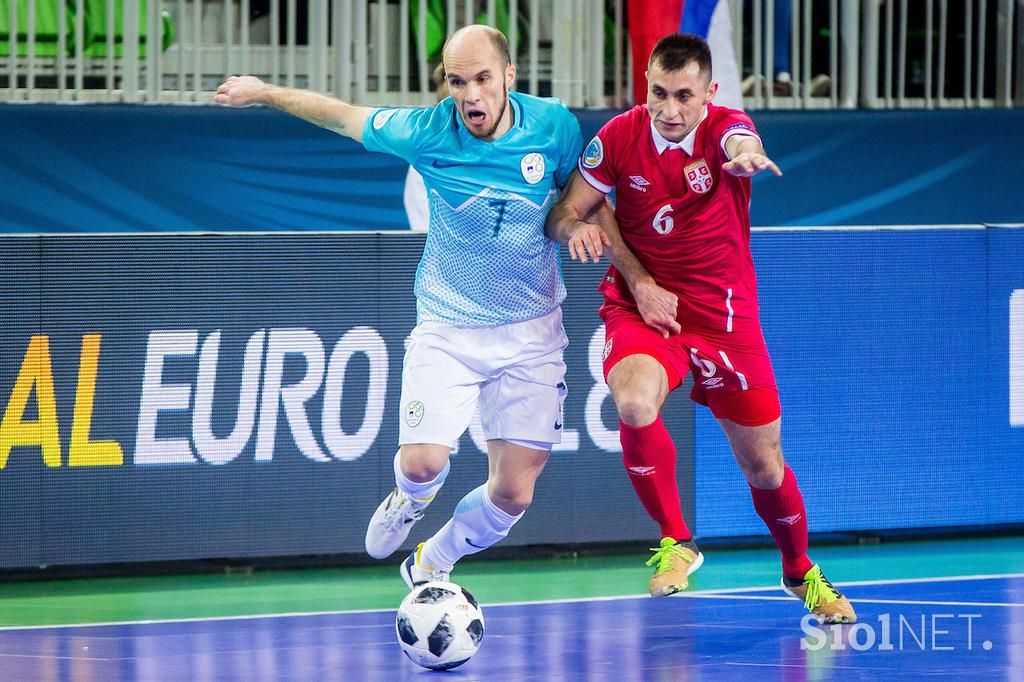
x=486, y=259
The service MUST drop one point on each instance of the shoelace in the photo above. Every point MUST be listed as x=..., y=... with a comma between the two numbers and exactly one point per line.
x=818, y=589
x=398, y=511
x=663, y=555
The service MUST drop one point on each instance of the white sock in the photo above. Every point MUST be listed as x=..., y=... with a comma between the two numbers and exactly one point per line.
x=476, y=525
x=424, y=492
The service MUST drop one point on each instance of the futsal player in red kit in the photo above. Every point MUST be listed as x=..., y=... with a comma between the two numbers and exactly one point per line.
x=681, y=296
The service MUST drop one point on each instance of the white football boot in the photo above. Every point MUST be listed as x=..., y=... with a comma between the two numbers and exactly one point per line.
x=390, y=524
x=415, y=573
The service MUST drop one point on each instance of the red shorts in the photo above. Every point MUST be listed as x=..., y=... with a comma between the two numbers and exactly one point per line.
x=732, y=373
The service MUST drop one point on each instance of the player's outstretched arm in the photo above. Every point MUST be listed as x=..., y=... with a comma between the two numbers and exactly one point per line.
x=326, y=112
x=566, y=224
x=748, y=157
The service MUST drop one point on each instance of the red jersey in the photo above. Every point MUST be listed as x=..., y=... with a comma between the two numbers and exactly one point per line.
x=686, y=220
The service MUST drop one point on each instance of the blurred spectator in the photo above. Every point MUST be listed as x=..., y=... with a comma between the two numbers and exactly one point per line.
x=780, y=50
x=782, y=41
x=259, y=18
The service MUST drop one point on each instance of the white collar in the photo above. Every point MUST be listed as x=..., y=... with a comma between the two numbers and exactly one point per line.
x=661, y=144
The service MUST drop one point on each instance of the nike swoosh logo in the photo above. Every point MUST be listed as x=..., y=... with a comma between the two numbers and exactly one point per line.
x=470, y=542
x=558, y=425
x=446, y=164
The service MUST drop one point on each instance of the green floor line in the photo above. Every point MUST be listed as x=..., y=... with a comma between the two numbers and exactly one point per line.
x=336, y=589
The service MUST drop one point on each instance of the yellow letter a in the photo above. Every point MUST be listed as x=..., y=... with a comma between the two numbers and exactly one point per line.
x=36, y=371
x=83, y=452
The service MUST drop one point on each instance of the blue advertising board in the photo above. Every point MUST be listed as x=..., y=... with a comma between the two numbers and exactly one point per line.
x=197, y=396
x=891, y=350
x=115, y=168
x=227, y=395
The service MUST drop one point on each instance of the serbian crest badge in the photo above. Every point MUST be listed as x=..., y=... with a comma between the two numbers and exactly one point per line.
x=698, y=176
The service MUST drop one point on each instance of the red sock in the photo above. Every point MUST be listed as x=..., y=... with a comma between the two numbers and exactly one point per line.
x=782, y=510
x=650, y=458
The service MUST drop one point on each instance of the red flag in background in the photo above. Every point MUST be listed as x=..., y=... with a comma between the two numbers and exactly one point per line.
x=649, y=22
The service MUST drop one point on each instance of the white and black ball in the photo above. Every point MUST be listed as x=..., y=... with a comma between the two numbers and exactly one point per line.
x=439, y=625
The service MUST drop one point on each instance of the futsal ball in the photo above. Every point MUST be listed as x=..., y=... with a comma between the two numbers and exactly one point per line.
x=439, y=625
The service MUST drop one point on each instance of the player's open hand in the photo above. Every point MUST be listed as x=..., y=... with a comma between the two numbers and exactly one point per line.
x=241, y=91
x=748, y=164
x=658, y=308
x=587, y=240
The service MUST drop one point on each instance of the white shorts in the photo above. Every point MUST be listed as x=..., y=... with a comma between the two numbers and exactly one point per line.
x=515, y=371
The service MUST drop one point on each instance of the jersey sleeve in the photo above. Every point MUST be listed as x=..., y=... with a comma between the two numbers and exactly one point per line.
x=395, y=131
x=734, y=124
x=570, y=145
x=599, y=163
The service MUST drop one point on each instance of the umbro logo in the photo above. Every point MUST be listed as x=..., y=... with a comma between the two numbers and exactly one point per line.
x=638, y=182
x=713, y=382
x=789, y=520
x=641, y=471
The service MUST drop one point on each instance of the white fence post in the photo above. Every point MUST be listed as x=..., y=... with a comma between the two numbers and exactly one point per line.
x=130, y=50
x=1004, y=53
x=849, y=56
x=1019, y=51
x=869, y=55
x=154, y=46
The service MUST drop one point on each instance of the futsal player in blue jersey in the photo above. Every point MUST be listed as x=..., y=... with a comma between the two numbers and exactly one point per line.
x=488, y=288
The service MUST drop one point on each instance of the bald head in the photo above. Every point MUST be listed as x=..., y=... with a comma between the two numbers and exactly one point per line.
x=473, y=40
x=479, y=74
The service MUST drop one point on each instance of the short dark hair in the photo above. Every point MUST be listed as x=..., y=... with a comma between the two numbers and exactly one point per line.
x=674, y=52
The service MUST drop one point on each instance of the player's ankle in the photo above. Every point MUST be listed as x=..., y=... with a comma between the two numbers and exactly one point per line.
x=796, y=568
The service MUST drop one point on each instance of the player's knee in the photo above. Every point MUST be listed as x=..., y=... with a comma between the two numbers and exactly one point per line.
x=767, y=471
x=636, y=410
x=421, y=466
x=512, y=501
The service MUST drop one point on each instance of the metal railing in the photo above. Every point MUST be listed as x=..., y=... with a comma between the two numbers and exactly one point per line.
x=841, y=54
x=368, y=51
x=883, y=53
